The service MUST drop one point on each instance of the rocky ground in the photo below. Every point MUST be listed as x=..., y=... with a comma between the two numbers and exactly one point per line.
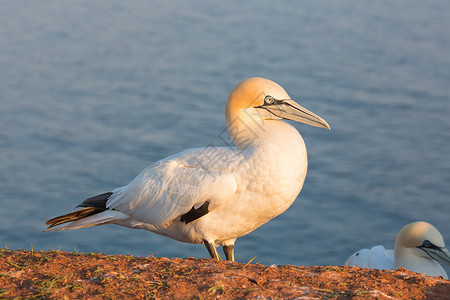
x=63, y=275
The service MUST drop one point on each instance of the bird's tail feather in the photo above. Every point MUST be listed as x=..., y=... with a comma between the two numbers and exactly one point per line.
x=73, y=216
x=85, y=217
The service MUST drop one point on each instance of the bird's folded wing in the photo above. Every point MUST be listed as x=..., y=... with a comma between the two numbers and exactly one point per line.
x=381, y=258
x=375, y=258
x=173, y=186
x=359, y=259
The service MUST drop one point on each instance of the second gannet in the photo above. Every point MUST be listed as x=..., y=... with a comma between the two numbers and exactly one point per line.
x=418, y=247
x=214, y=195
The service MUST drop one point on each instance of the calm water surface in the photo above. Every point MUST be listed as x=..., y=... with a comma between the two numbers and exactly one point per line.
x=93, y=92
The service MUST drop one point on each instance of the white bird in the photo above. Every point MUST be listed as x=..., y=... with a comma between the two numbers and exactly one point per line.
x=418, y=248
x=214, y=195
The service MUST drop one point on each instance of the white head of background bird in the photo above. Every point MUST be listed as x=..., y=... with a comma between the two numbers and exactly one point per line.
x=422, y=240
x=257, y=100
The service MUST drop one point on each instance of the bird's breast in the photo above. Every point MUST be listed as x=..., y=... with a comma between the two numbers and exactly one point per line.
x=278, y=170
x=272, y=176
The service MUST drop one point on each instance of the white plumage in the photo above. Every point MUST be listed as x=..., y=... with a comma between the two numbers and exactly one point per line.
x=418, y=247
x=214, y=195
x=176, y=184
x=375, y=258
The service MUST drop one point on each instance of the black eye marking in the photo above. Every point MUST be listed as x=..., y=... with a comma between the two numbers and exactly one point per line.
x=269, y=100
x=429, y=245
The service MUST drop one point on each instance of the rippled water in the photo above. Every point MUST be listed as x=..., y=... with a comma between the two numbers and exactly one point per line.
x=92, y=92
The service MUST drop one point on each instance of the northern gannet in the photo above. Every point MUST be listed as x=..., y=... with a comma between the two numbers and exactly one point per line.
x=418, y=247
x=214, y=195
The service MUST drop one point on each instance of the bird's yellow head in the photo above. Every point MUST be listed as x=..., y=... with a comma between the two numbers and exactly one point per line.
x=424, y=240
x=414, y=234
x=266, y=100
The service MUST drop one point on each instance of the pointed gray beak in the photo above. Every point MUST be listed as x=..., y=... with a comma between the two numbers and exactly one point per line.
x=290, y=110
x=439, y=254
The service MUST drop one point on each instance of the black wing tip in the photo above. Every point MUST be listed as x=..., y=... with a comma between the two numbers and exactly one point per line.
x=98, y=201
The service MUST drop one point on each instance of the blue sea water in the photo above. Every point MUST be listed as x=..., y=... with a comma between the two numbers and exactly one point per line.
x=92, y=92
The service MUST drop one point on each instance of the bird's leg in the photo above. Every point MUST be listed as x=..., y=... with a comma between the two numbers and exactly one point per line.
x=229, y=252
x=211, y=250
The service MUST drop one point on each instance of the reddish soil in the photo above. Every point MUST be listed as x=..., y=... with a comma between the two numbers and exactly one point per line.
x=63, y=275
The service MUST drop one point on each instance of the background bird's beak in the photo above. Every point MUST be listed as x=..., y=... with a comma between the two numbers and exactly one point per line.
x=290, y=110
x=440, y=254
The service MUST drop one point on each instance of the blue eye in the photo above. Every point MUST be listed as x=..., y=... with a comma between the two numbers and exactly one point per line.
x=427, y=243
x=269, y=100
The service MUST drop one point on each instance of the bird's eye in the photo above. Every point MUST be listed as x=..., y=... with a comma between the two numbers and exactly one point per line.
x=427, y=244
x=269, y=100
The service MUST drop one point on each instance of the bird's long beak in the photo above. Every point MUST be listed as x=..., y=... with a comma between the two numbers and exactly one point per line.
x=440, y=254
x=290, y=110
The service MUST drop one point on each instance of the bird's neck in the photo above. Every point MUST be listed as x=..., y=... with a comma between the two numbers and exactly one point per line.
x=247, y=132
